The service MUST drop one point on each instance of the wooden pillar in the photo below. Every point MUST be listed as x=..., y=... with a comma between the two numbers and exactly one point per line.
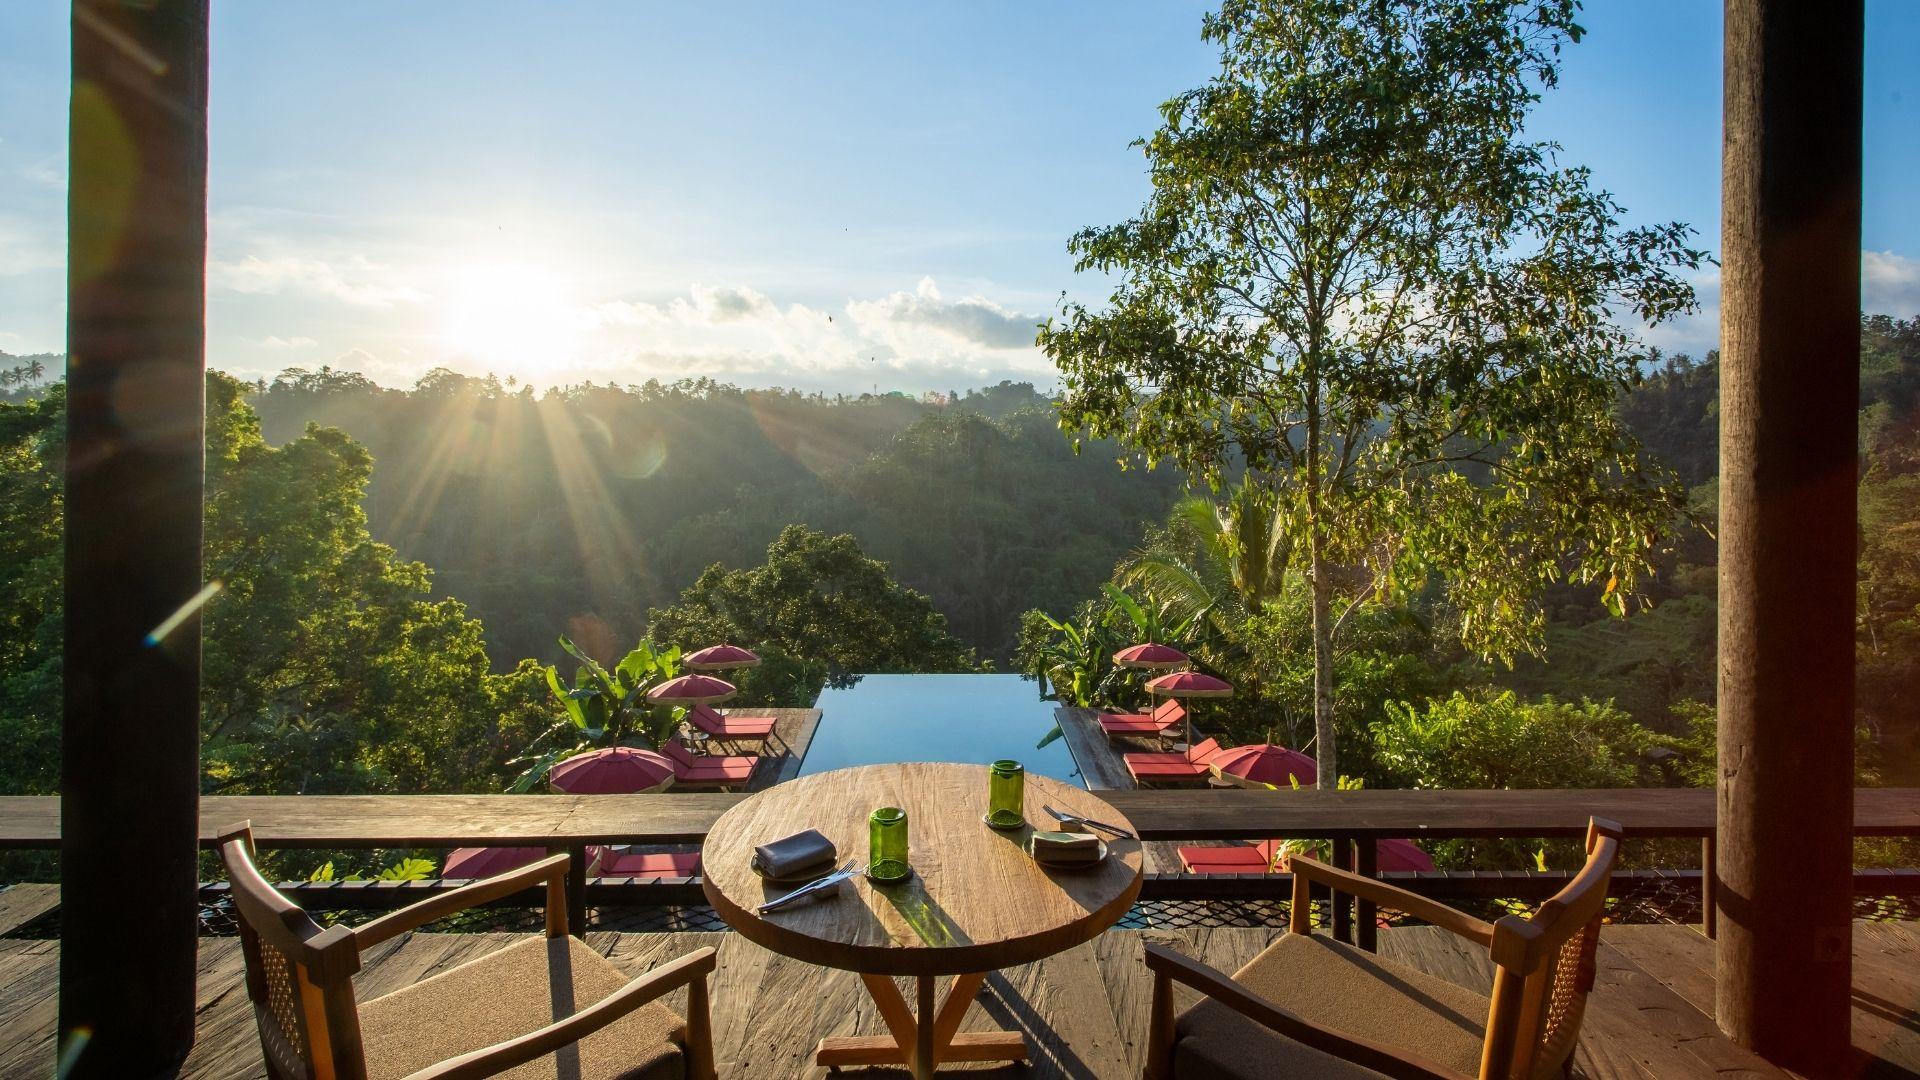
x=1789, y=394
x=130, y=770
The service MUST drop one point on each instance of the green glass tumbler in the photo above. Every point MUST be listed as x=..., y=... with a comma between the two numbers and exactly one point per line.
x=887, y=845
x=1006, y=795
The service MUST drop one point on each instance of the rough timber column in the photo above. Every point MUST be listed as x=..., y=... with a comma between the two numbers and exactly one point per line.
x=1789, y=392
x=130, y=773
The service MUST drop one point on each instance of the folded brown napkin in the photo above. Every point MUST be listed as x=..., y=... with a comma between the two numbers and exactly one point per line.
x=795, y=854
x=1066, y=847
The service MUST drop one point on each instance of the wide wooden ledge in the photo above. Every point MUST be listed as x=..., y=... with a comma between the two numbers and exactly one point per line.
x=348, y=821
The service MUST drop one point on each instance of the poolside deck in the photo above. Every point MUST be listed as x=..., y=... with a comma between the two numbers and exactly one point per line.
x=786, y=748
x=1084, y=1010
x=1103, y=769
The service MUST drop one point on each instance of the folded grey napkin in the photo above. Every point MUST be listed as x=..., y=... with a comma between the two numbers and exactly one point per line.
x=795, y=854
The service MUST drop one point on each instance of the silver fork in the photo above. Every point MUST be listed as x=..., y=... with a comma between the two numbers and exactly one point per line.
x=812, y=887
x=1073, y=819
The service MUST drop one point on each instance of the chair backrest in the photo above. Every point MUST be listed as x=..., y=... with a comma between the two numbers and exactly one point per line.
x=1169, y=712
x=706, y=718
x=1544, y=969
x=299, y=975
x=1202, y=751
x=679, y=754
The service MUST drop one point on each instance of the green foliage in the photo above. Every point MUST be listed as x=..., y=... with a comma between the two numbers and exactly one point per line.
x=1357, y=279
x=1497, y=740
x=817, y=608
x=582, y=508
x=603, y=708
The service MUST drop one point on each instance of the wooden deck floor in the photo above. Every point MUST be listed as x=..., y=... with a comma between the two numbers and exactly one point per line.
x=781, y=756
x=1084, y=1010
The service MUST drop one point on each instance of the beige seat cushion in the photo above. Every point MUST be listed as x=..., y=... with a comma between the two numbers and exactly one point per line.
x=508, y=993
x=1341, y=988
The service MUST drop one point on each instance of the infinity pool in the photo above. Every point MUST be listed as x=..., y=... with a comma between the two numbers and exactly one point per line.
x=973, y=719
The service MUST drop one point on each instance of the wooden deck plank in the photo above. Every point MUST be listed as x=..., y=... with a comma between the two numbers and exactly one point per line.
x=21, y=904
x=784, y=752
x=1098, y=759
x=1084, y=1011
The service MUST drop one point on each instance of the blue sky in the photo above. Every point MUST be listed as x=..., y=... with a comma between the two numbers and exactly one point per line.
x=829, y=196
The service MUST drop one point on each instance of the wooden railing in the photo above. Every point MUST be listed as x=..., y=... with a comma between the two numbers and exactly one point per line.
x=569, y=823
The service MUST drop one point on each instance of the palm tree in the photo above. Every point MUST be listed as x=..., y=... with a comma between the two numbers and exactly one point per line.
x=1217, y=562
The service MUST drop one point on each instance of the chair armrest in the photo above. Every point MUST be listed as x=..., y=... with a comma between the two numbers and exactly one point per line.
x=1218, y=986
x=498, y=1058
x=1392, y=896
x=551, y=871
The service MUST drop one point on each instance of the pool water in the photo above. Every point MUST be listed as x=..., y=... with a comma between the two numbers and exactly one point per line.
x=972, y=719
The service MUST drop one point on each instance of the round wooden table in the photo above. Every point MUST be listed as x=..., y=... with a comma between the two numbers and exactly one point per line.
x=976, y=902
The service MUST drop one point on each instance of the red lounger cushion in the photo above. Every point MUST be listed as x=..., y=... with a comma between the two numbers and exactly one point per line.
x=712, y=722
x=1235, y=859
x=1194, y=756
x=655, y=865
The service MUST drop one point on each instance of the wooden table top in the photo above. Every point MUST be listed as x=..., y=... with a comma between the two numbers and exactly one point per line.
x=976, y=901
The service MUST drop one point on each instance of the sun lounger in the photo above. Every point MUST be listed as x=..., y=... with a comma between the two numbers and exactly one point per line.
x=1174, y=768
x=1239, y=858
x=692, y=770
x=649, y=866
x=1152, y=725
x=730, y=726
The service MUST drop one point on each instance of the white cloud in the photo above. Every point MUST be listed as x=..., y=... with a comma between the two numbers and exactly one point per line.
x=739, y=333
x=275, y=341
x=358, y=282
x=975, y=319
x=1889, y=284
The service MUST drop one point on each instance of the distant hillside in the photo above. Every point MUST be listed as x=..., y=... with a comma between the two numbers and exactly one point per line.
x=577, y=512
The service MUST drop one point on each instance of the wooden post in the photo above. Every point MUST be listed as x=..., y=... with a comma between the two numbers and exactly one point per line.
x=1366, y=862
x=130, y=771
x=1342, y=903
x=1789, y=398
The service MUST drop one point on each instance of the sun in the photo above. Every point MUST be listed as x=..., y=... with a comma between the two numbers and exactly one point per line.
x=519, y=319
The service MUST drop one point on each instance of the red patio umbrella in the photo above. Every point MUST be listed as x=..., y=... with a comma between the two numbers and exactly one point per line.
x=485, y=862
x=1189, y=684
x=720, y=658
x=613, y=770
x=692, y=690
x=1151, y=657
x=1264, y=763
x=1401, y=855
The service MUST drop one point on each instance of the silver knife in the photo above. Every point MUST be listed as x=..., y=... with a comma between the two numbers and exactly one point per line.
x=810, y=888
x=1101, y=825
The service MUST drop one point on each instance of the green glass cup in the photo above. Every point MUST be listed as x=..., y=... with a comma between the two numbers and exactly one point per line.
x=887, y=845
x=1006, y=795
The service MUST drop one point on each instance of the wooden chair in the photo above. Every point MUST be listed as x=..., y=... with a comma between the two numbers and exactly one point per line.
x=1311, y=1006
x=548, y=1007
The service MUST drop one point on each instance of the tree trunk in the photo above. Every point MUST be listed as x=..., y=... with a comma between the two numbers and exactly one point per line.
x=1325, y=747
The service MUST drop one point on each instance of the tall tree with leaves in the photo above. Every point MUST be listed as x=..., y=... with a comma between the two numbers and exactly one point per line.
x=1357, y=278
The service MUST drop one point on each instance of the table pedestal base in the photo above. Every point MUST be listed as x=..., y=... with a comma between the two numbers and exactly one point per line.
x=922, y=1041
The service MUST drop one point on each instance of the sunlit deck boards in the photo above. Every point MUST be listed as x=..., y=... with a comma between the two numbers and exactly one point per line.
x=784, y=751
x=1084, y=1010
x=1099, y=760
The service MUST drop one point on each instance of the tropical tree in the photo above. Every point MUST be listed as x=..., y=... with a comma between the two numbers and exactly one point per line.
x=1357, y=279
x=817, y=601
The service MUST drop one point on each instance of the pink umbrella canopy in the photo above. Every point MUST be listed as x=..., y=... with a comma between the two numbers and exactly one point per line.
x=1189, y=684
x=1150, y=657
x=692, y=690
x=1402, y=855
x=614, y=770
x=720, y=658
x=484, y=862
x=1265, y=763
